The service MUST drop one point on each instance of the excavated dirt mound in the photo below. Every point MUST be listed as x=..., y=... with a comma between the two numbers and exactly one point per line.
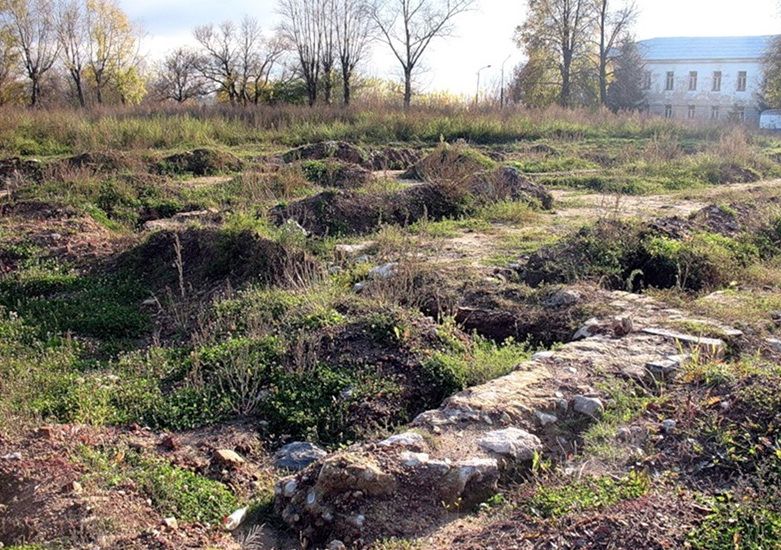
x=209, y=256
x=621, y=253
x=386, y=158
x=335, y=173
x=15, y=168
x=49, y=495
x=508, y=183
x=338, y=150
x=108, y=162
x=345, y=212
x=391, y=158
x=454, y=457
x=450, y=163
x=541, y=318
x=200, y=162
x=392, y=359
x=102, y=162
x=59, y=231
x=490, y=307
x=342, y=213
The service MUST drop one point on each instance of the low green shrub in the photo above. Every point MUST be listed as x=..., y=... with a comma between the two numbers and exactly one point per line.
x=593, y=493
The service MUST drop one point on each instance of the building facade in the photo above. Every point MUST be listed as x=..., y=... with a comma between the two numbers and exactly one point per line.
x=704, y=78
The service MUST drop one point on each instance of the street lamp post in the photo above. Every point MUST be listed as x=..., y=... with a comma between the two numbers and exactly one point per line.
x=501, y=92
x=477, y=93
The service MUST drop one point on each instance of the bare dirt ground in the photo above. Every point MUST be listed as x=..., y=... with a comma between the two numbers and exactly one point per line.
x=40, y=464
x=488, y=247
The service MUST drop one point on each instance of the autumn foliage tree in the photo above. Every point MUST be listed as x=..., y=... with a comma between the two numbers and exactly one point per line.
x=113, y=52
x=31, y=25
x=560, y=30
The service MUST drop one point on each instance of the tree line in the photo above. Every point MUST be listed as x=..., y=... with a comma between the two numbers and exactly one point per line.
x=91, y=43
x=87, y=52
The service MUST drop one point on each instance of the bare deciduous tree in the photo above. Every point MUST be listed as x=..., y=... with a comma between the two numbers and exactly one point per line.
x=218, y=62
x=328, y=51
x=256, y=57
x=273, y=50
x=237, y=59
x=249, y=40
x=562, y=28
x=178, y=77
x=354, y=26
x=409, y=26
x=612, y=28
x=73, y=36
x=303, y=26
x=32, y=25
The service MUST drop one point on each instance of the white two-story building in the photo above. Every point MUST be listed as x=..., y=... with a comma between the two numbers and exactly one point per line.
x=704, y=78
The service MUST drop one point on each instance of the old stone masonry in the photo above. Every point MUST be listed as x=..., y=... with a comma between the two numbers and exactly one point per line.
x=452, y=458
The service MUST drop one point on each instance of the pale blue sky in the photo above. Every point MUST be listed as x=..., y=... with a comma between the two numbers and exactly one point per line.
x=482, y=37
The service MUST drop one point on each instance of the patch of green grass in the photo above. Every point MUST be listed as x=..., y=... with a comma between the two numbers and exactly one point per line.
x=510, y=246
x=173, y=491
x=625, y=402
x=56, y=299
x=480, y=361
x=512, y=212
x=743, y=437
x=592, y=493
x=553, y=164
x=603, y=183
x=746, y=524
x=752, y=307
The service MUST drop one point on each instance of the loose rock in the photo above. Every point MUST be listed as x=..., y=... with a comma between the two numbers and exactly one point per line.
x=406, y=439
x=546, y=419
x=590, y=406
x=227, y=457
x=562, y=298
x=513, y=442
x=297, y=455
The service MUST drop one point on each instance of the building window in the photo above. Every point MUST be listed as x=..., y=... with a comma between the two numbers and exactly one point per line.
x=692, y=111
x=740, y=114
x=670, y=83
x=647, y=80
x=693, y=81
x=668, y=111
x=717, y=81
x=742, y=81
x=714, y=113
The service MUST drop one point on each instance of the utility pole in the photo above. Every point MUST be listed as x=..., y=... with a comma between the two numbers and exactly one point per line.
x=501, y=91
x=477, y=93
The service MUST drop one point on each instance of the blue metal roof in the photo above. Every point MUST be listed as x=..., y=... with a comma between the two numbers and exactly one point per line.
x=703, y=48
